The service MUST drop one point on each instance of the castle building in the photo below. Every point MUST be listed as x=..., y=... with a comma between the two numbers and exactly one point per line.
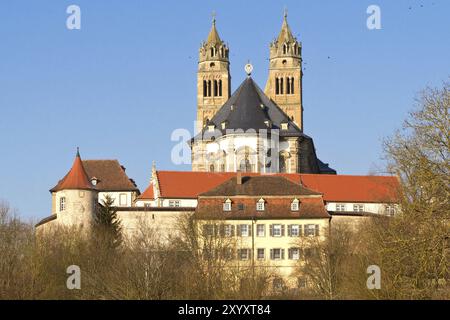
x=253, y=130
x=255, y=174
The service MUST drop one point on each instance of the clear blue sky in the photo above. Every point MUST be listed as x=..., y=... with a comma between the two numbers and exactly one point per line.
x=118, y=87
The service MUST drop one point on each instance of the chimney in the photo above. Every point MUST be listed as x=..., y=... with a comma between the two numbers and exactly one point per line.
x=239, y=177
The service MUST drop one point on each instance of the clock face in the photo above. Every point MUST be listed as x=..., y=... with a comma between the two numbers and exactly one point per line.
x=248, y=68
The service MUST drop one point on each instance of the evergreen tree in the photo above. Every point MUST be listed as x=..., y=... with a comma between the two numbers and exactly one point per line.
x=107, y=226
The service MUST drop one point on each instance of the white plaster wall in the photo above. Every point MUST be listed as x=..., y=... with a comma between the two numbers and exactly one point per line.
x=116, y=197
x=377, y=208
x=80, y=207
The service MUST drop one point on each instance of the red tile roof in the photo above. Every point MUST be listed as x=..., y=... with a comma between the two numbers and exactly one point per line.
x=76, y=178
x=345, y=188
x=338, y=188
x=148, y=194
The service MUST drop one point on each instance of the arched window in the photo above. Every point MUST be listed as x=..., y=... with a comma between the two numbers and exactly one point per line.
x=204, y=88
x=292, y=85
x=245, y=165
x=220, y=88
x=221, y=52
x=212, y=52
x=211, y=168
x=216, y=91
x=281, y=86
x=284, y=48
x=209, y=88
x=288, y=85
x=277, y=86
x=295, y=205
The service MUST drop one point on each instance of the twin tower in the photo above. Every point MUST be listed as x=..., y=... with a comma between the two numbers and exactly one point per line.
x=284, y=85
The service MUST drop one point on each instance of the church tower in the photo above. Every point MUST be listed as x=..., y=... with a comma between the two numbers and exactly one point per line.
x=284, y=85
x=213, y=76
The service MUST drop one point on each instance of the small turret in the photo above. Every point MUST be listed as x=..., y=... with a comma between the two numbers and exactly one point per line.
x=74, y=198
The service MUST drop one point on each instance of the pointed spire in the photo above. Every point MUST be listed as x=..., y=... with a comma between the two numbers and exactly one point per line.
x=213, y=36
x=76, y=178
x=285, y=33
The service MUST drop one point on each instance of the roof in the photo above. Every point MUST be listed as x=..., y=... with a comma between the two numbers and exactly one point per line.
x=213, y=36
x=285, y=33
x=259, y=186
x=274, y=208
x=338, y=188
x=248, y=109
x=75, y=179
x=110, y=174
x=148, y=194
x=346, y=188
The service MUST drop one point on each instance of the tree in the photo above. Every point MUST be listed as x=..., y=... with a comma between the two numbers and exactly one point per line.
x=412, y=249
x=107, y=225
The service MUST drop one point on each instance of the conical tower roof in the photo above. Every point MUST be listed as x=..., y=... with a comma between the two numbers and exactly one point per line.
x=213, y=36
x=75, y=179
x=285, y=33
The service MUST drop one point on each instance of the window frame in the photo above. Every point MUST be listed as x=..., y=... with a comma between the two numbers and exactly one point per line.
x=263, y=230
x=62, y=204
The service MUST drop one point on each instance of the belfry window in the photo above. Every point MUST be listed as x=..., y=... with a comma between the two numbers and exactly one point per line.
x=277, y=86
x=216, y=89
x=205, y=88
x=281, y=86
x=284, y=48
x=220, y=88
x=292, y=85
x=288, y=85
x=209, y=88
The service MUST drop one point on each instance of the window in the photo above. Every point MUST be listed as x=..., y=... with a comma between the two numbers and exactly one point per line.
x=277, y=86
x=389, y=210
x=123, y=199
x=241, y=206
x=208, y=230
x=276, y=254
x=340, y=207
x=244, y=230
x=228, y=230
x=81, y=194
x=292, y=85
x=62, y=204
x=301, y=282
x=284, y=126
x=294, y=230
x=244, y=254
x=294, y=253
x=288, y=85
x=295, y=205
x=358, y=207
x=260, y=205
x=260, y=230
x=205, y=88
x=278, y=284
x=147, y=205
x=277, y=230
x=227, y=205
x=211, y=168
x=261, y=253
x=311, y=230
x=174, y=203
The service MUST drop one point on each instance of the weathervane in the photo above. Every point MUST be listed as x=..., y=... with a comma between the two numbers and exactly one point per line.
x=214, y=17
x=248, y=68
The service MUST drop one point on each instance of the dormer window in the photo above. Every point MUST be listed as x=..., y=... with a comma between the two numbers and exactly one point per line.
x=260, y=205
x=295, y=205
x=268, y=123
x=94, y=181
x=227, y=205
x=211, y=128
x=284, y=126
x=224, y=125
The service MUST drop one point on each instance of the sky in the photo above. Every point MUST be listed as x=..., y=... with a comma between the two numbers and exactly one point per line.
x=118, y=87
